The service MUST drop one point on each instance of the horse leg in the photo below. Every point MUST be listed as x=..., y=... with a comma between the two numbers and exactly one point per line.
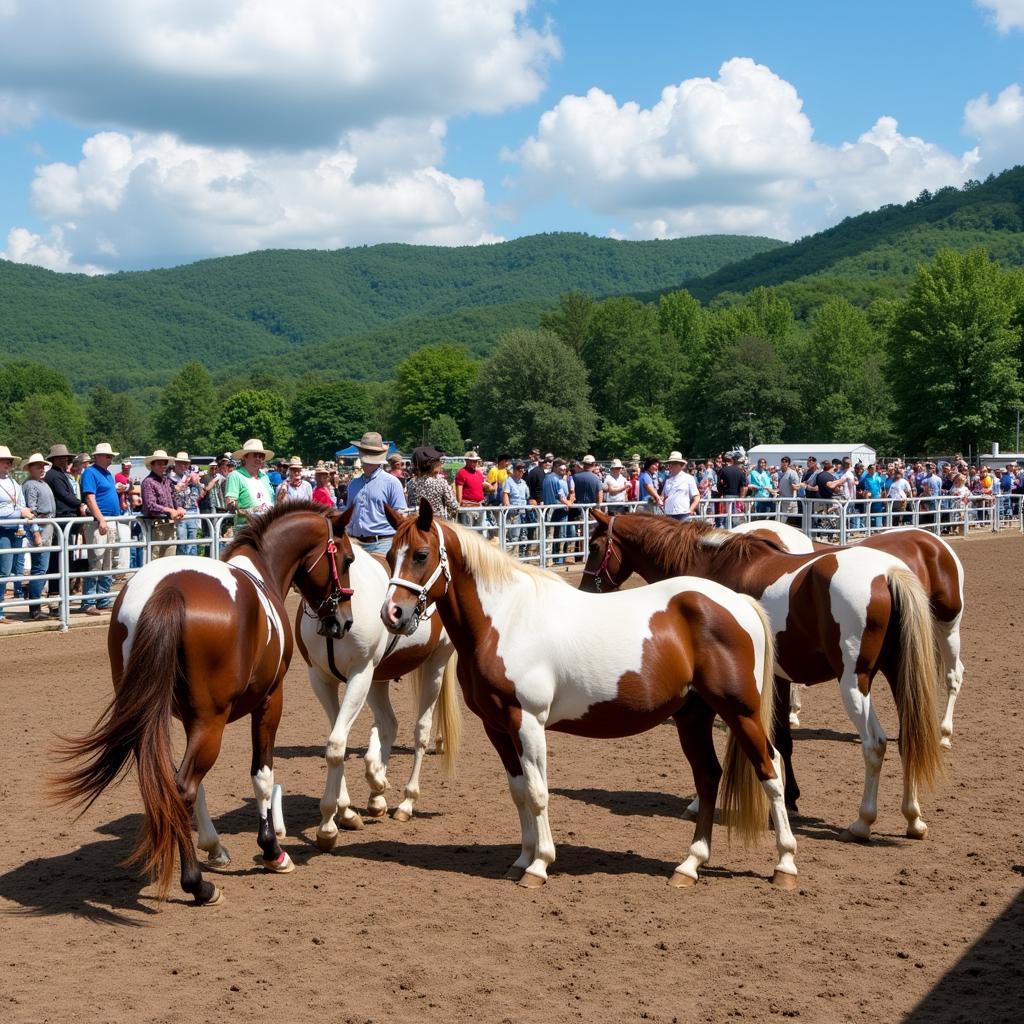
x=200, y=756
x=326, y=689
x=947, y=635
x=208, y=840
x=502, y=743
x=336, y=798
x=265, y=720
x=535, y=770
x=378, y=749
x=693, y=723
x=856, y=692
x=784, y=737
x=430, y=677
x=796, y=695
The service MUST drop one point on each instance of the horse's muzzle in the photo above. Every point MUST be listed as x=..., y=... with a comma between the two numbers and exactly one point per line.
x=330, y=626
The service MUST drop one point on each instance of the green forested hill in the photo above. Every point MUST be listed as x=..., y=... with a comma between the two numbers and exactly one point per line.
x=356, y=310
x=876, y=254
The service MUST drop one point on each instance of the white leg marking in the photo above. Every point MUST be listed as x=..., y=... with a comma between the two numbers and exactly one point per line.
x=785, y=841
x=873, y=739
x=209, y=841
x=535, y=772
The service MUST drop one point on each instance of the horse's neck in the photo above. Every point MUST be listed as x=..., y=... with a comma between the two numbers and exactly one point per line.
x=462, y=609
x=279, y=556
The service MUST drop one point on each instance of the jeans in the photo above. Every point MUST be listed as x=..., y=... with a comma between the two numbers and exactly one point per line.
x=475, y=518
x=9, y=543
x=187, y=529
x=557, y=518
x=40, y=565
x=101, y=559
x=376, y=547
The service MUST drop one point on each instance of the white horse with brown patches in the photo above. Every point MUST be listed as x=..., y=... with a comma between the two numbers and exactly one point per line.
x=366, y=658
x=535, y=655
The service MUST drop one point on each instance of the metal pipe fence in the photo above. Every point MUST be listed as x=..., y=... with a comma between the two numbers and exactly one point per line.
x=549, y=536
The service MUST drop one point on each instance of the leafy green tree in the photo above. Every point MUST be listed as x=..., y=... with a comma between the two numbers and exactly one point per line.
x=118, y=419
x=955, y=355
x=254, y=413
x=571, y=322
x=187, y=416
x=327, y=414
x=40, y=420
x=533, y=391
x=444, y=435
x=647, y=432
x=436, y=379
x=22, y=378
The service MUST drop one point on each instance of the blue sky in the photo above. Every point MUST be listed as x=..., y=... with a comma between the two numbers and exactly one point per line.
x=142, y=133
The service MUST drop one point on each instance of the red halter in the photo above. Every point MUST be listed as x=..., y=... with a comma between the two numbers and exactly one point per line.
x=602, y=569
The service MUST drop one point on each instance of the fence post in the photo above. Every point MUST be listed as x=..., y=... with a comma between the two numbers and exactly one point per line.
x=65, y=578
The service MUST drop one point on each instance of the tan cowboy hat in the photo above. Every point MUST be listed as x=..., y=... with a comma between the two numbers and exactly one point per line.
x=84, y=459
x=372, y=449
x=588, y=460
x=158, y=456
x=320, y=468
x=675, y=457
x=615, y=464
x=33, y=459
x=103, y=448
x=182, y=457
x=296, y=463
x=59, y=451
x=471, y=457
x=5, y=453
x=254, y=446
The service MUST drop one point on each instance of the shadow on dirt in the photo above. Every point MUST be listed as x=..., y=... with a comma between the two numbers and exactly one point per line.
x=986, y=983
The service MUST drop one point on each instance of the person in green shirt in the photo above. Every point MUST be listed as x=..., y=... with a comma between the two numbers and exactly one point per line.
x=248, y=490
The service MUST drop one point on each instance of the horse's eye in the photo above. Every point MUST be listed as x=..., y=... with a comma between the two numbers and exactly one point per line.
x=419, y=557
x=348, y=563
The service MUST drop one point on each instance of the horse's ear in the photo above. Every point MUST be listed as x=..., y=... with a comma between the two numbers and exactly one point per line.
x=425, y=519
x=600, y=517
x=343, y=519
x=392, y=516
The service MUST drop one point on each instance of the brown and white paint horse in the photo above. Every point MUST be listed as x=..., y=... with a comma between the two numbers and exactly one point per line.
x=535, y=654
x=844, y=614
x=208, y=642
x=367, y=658
x=933, y=561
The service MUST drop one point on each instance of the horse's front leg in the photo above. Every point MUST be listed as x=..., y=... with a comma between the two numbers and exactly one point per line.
x=430, y=678
x=336, y=799
x=378, y=749
x=535, y=771
x=265, y=720
x=502, y=743
x=694, y=722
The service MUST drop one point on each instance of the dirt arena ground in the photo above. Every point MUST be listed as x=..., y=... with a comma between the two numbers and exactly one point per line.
x=414, y=922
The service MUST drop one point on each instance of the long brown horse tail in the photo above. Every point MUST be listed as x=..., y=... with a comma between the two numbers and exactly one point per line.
x=917, y=680
x=744, y=801
x=137, y=721
x=450, y=726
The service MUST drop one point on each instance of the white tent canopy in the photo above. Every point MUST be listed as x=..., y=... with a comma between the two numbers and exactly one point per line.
x=800, y=452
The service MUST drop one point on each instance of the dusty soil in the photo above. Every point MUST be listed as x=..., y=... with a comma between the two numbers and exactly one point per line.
x=414, y=922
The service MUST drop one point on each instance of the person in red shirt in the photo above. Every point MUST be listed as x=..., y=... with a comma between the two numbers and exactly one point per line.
x=322, y=493
x=469, y=490
x=123, y=483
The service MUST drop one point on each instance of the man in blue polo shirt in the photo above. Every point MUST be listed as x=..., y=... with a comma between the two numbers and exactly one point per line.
x=99, y=492
x=369, y=494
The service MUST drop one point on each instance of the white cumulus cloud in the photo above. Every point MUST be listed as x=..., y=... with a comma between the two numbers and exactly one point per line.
x=266, y=74
x=1007, y=14
x=999, y=127
x=136, y=200
x=732, y=154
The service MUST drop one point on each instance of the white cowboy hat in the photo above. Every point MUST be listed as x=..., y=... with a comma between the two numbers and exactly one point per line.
x=103, y=448
x=5, y=453
x=158, y=456
x=372, y=449
x=254, y=446
x=675, y=457
x=33, y=459
x=471, y=457
x=182, y=457
x=615, y=464
x=588, y=460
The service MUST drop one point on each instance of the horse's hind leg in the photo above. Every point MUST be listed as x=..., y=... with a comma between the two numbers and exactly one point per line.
x=784, y=736
x=856, y=692
x=535, y=770
x=200, y=756
x=502, y=743
x=265, y=720
x=693, y=723
x=378, y=749
x=947, y=635
x=208, y=840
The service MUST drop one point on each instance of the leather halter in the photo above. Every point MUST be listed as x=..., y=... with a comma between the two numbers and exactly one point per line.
x=338, y=592
x=602, y=569
x=420, y=611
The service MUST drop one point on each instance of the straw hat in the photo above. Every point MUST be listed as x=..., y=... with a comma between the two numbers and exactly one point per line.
x=158, y=456
x=182, y=457
x=471, y=457
x=84, y=459
x=33, y=459
x=103, y=448
x=615, y=464
x=59, y=451
x=321, y=468
x=254, y=446
x=296, y=463
x=372, y=449
x=674, y=457
x=5, y=453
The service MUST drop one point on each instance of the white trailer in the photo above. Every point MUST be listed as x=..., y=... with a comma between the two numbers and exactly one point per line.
x=800, y=452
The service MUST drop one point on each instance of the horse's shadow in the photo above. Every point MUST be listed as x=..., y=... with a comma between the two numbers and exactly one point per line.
x=801, y=733
x=317, y=751
x=645, y=804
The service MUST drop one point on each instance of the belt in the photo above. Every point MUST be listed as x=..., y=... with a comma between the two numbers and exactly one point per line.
x=371, y=538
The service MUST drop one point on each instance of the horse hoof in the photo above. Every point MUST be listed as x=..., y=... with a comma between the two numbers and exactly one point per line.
x=846, y=836
x=917, y=831
x=326, y=841
x=784, y=880
x=377, y=812
x=946, y=743
x=284, y=865
x=531, y=881
x=353, y=823
x=214, y=901
x=514, y=873
x=401, y=815
x=794, y=721
x=218, y=858
x=681, y=880
x=282, y=834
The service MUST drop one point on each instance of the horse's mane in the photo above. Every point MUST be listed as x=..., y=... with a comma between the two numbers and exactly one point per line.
x=253, y=533
x=488, y=564
x=674, y=545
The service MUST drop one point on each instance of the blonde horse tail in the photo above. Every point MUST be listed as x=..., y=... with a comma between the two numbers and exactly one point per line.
x=450, y=726
x=744, y=801
x=917, y=683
